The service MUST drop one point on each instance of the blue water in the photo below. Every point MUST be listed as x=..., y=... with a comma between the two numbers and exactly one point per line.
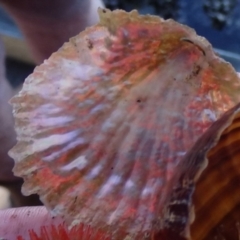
x=192, y=14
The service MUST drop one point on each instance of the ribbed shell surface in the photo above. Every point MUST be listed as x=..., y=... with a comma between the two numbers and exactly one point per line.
x=106, y=125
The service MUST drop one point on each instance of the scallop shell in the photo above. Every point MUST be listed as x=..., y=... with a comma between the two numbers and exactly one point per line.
x=217, y=195
x=114, y=128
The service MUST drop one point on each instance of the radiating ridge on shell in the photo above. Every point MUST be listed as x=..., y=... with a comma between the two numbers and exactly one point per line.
x=106, y=125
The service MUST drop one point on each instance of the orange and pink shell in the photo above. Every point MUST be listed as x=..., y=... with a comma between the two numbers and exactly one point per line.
x=115, y=129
